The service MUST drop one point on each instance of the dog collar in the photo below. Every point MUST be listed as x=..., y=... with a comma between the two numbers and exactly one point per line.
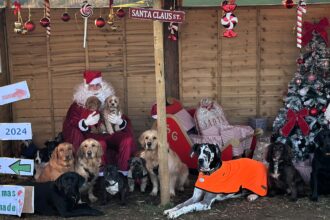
x=114, y=183
x=145, y=175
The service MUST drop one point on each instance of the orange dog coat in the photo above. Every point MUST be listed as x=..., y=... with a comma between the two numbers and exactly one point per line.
x=234, y=174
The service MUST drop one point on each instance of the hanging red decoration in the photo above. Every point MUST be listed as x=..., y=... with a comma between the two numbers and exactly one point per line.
x=65, y=17
x=229, y=20
x=288, y=3
x=300, y=61
x=313, y=111
x=294, y=118
x=45, y=22
x=29, y=26
x=120, y=13
x=99, y=22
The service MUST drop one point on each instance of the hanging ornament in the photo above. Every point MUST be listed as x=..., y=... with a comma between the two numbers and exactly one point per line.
x=313, y=111
x=120, y=13
x=65, y=17
x=303, y=91
x=18, y=25
x=288, y=3
x=324, y=109
x=300, y=61
x=44, y=22
x=86, y=11
x=111, y=17
x=29, y=25
x=298, y=81
x=311, y=77
x=301, y=9
x=99, y=22
x=229, y=20
x=173, y=28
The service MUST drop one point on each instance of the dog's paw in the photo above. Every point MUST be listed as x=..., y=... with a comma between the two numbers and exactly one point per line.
x=172, y=215
x=153, y=193
x=252, y=197
x=92, y=198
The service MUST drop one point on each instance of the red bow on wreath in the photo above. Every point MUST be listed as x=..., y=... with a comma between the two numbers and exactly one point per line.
x=319, y=28
x=296, y=118
x=17, y=7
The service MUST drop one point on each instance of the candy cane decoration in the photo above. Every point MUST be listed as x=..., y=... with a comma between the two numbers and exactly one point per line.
x=47, y=8
x=301, y=9
x=86, y=11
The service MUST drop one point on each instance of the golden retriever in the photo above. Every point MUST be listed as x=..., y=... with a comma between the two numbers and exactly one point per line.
x=178, y=171
x=88, y=161
x=111, y=106
x=61, y=161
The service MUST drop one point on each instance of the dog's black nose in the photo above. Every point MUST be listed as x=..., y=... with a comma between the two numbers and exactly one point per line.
x=200, y=161
x=149, y=144
x=89, y=153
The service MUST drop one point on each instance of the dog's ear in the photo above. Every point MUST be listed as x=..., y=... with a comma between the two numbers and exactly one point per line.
x=194, y=149
x=99, y=152
x=80, y=152
x=217, y=151
x=54, y=155
x=269, y=153
x=141, y=139
x=288, y=155
x=216, y=161
x=59, y=182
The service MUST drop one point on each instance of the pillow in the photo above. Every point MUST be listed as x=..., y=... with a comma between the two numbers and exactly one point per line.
x=185, y=119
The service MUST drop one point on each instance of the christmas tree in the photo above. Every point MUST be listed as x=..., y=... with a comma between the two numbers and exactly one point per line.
x=302, y=116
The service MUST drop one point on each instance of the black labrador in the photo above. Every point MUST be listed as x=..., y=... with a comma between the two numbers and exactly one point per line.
x=320, y=177
x=60, y=198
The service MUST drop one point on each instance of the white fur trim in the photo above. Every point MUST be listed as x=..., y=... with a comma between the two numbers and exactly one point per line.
x=82, y=93
x=154, y=116
x=125, y=173
x=81, y=127
x=95, y=81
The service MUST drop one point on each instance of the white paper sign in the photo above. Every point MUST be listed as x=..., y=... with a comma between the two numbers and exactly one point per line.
x=23, y=167
x=14, y=92
x=11, y=199
x=15, y=131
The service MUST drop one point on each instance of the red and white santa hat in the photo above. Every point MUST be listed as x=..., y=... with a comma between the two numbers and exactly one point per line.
x=92, y=77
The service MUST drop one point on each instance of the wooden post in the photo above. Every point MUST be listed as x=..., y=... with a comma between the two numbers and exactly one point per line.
x=171, y=60
x=161, y=120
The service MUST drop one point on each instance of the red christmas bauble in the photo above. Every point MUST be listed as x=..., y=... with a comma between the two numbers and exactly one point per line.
x=324, y=108
x=45, y=22
x=65, y=17
x=99, y=22
x=120, y=13
x=300, y=61
x=29, y=26
x=313, y=111
x=288, y=3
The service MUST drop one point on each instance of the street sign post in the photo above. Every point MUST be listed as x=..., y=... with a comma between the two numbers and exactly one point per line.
x=23, y=167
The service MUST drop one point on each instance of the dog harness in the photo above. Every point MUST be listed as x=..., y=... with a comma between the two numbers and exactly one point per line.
x=233, y=175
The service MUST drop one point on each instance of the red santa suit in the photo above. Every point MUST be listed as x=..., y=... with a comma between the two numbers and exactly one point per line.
x=118, y=147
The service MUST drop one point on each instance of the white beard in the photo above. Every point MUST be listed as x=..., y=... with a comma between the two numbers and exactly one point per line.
x=82, y=93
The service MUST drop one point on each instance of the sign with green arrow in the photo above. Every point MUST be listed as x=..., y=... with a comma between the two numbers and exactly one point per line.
x=23, y=167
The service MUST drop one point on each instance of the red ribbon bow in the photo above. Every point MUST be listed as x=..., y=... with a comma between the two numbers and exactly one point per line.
x=296, y=118
x=229, y=33
x=17, y=7
x=319, y=28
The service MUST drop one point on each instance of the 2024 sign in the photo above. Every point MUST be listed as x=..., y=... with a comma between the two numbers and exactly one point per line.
x=15, y=131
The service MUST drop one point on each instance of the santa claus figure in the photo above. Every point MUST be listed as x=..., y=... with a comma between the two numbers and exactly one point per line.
x=118, y=147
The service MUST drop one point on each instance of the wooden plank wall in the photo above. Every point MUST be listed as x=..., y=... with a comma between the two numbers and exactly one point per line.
x=248, y=74
x=125, y=58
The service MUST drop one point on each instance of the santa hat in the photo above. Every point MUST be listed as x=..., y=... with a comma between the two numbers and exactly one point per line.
x=92, y=77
